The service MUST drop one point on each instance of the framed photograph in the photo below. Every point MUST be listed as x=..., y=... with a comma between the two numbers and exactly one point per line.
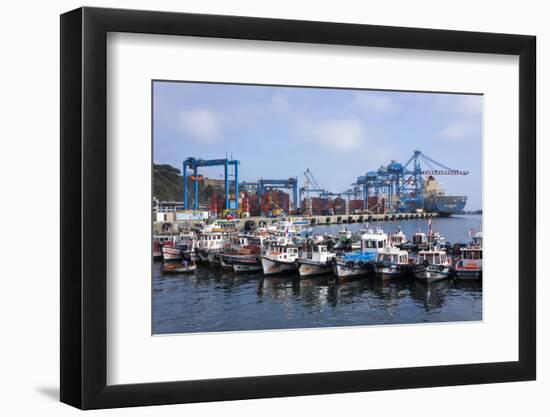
x=255, y=208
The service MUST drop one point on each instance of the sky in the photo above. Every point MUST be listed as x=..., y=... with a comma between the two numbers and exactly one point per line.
x=339, y=134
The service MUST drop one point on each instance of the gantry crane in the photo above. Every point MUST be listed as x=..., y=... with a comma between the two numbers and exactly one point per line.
x=230, y=179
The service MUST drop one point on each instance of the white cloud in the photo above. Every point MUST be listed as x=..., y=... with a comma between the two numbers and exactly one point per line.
x=456, y=131
x=376, y=102
x=279, y=102
x=342, y=135
x=199, y=125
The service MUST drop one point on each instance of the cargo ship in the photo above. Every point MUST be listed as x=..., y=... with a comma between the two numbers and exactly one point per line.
x=435, y=199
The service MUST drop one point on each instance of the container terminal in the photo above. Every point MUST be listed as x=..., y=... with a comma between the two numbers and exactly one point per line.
x=397, y=191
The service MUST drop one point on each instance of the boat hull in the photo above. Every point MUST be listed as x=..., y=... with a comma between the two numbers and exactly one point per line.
x=350, y=269
x=178, y=269
x=214, y=258
x=391, y=272
x=431, y=274
x=311, y=268
x=271, y=267
x=171, y=253
x=242, y=268
x=468, y=275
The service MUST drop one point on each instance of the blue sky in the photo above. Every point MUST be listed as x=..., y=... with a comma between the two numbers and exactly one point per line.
x=339, y=134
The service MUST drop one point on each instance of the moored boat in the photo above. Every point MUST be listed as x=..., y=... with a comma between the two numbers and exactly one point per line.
x=398, y=239
x=392, y=262
x=316, y=260
x=358, y=263
x=280, y=259
x=171, y=252
x=470, y=264
x=432, y=265
x=178, y=268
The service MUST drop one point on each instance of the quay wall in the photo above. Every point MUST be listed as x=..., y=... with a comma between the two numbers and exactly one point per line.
x=176, y=226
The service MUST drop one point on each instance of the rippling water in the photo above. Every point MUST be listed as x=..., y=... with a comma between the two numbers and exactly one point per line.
x=210, y=299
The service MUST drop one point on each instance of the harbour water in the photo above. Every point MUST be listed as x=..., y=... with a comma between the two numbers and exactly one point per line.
x=213, y=300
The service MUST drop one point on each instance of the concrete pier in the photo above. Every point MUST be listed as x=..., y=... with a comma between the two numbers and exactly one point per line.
x=254, y=222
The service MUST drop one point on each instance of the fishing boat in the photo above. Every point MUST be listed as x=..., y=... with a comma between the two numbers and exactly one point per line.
x=361, y=262
x=280, y=258
x=209, y=242
x=242, y=253
x=477, y=239
x=346, y=240
x=432, y=265
x=178, y=268
x=246, y=264
x=420, y=240
x=285, y=227
x=316, y=260
x=470, y=265
x=392, y=262
x=398, y=239
x=171, y=252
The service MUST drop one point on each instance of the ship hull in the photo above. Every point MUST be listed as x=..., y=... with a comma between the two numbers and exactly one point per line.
x=270, y=266
x=311, y=268
x=445, y=206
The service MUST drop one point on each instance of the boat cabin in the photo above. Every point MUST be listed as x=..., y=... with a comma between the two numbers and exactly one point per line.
x=477, y=239
x=211, y=240
x=394, y=257
x=374, y=241
x=283, y=252
x=433, y=257
x=419, y=238
x=318, y=253
x=471, y=253
x=398, y=238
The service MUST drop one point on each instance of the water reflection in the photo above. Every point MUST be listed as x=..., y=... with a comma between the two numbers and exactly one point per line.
x=211, y=299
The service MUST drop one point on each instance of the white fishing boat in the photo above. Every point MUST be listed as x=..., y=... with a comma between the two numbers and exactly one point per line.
x=398, y=239
x=470, y=264
x=361, y=262
x=279, y=259
x=286, y=227
x=392, y=262
x=477, y=239
x=243, y=251
x=316, y=260
x=432, y=265
x=171, y=252
x=419, y=240
x=209, y=242
x=346, y=241
x=166, y=246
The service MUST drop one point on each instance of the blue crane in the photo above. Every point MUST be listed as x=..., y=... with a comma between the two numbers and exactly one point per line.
x=403, y=181
x=409, y=182
x=229, y=179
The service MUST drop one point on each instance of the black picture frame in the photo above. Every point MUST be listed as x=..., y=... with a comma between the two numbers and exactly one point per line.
x=84, y=207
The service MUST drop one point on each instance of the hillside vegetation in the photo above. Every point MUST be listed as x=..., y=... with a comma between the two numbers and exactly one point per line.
x=167, y=183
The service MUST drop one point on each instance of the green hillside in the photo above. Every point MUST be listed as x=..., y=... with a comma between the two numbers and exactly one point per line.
x=168, y=186
x=167, y=183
